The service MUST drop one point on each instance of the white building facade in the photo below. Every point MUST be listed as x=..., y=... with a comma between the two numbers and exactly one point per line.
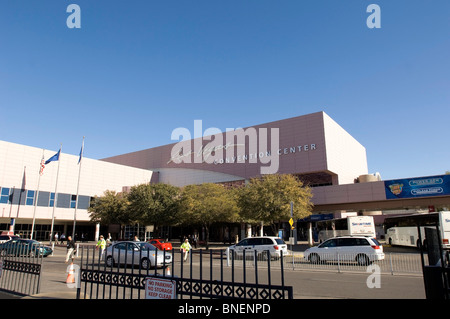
x=23, y=208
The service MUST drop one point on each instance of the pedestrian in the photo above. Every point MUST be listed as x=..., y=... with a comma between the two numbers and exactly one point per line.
x=56, y=238
x=136, y=238
x=70, y=249
x=63, y=238
x=109, y=239
x=102, y=245
x=195, y=240
x=186, y=247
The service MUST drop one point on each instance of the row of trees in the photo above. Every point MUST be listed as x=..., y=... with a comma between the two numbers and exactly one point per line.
x=265, y=200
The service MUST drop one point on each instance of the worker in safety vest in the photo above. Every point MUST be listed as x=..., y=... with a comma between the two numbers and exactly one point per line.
x=186, y=247
x=101, y=244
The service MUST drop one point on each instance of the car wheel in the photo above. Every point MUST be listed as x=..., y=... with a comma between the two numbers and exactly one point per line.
x=314, y=259
x=110, y=261
x=362, y=260
x=145, y=263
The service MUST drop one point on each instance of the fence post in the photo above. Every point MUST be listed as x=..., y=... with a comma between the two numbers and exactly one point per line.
x=392, y=265
x=339, y=264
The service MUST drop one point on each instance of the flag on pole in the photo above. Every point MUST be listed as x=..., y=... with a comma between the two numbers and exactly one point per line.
x=42, y=165
x=81, y=151
x=41, y=170
x=53, y=158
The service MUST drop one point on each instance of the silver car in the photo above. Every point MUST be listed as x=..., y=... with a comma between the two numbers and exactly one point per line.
x=136, y=253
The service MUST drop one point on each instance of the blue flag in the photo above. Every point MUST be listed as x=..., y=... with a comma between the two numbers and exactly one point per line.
x=81, y=152
x=53, y=158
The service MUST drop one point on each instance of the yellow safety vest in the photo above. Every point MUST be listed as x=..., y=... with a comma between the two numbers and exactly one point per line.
x=186, y=246
x=101, y=243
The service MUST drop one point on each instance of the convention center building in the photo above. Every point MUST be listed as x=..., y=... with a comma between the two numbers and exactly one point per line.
x=312, y=147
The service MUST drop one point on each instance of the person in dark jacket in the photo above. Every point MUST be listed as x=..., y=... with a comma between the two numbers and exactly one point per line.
x=70, y=249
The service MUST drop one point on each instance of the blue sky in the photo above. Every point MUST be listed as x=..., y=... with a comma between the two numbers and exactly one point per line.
x=136, y=70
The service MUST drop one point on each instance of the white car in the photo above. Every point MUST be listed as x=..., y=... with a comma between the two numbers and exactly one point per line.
x=361, y=249
x=274, y=245
x=136, y=253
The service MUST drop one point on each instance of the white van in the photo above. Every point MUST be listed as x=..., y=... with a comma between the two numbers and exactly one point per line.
x=274, y=245
x=361, y=249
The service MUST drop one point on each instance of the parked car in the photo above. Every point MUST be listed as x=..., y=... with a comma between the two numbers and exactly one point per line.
x=24, y=247
x=136, y=253
x=160, y=244
x=361, y=249
x=274, y=245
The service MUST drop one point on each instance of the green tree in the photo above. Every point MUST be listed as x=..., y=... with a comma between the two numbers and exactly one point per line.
x=111, y=208
x=206, y=204
x=154, y=204
x=268, y=200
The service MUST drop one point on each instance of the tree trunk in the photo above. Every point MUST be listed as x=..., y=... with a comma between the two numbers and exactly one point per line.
x=207, y=236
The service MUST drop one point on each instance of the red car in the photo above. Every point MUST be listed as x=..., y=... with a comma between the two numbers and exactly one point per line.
x=160, y=244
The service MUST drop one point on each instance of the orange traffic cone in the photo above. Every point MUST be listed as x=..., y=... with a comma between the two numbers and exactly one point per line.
x=167, y=271
x=71, y=276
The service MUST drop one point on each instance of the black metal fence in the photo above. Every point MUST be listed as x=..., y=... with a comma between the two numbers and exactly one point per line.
x=436, y=267
x=204, y=274
x=20, y=269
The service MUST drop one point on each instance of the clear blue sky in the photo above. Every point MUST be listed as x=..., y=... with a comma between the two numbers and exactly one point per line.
x=138, y=69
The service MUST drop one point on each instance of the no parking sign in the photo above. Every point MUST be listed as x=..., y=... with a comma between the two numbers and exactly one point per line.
x=158, y=288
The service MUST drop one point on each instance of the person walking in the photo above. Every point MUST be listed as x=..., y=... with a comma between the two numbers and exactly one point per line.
x=70, y=249
x=186, y=247
x=102, y=245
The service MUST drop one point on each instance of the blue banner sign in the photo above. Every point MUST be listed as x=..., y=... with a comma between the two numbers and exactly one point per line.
x=418, y=187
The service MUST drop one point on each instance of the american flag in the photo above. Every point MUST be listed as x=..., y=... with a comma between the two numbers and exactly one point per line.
x=41, y=170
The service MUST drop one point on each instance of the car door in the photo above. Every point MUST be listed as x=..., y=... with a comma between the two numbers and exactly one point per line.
x=133, y=253
x=328, y=250
x=241, y=246
x=254, y=244
x=346, y=248
x=119, y=252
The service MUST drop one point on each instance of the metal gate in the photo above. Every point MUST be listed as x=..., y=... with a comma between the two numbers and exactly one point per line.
x=436, y=273
x=205, y=274
x=20, y=268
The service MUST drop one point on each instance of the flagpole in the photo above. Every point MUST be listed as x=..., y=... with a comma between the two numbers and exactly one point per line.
x=78, y=188
x=37, y=194
x=56, y=195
